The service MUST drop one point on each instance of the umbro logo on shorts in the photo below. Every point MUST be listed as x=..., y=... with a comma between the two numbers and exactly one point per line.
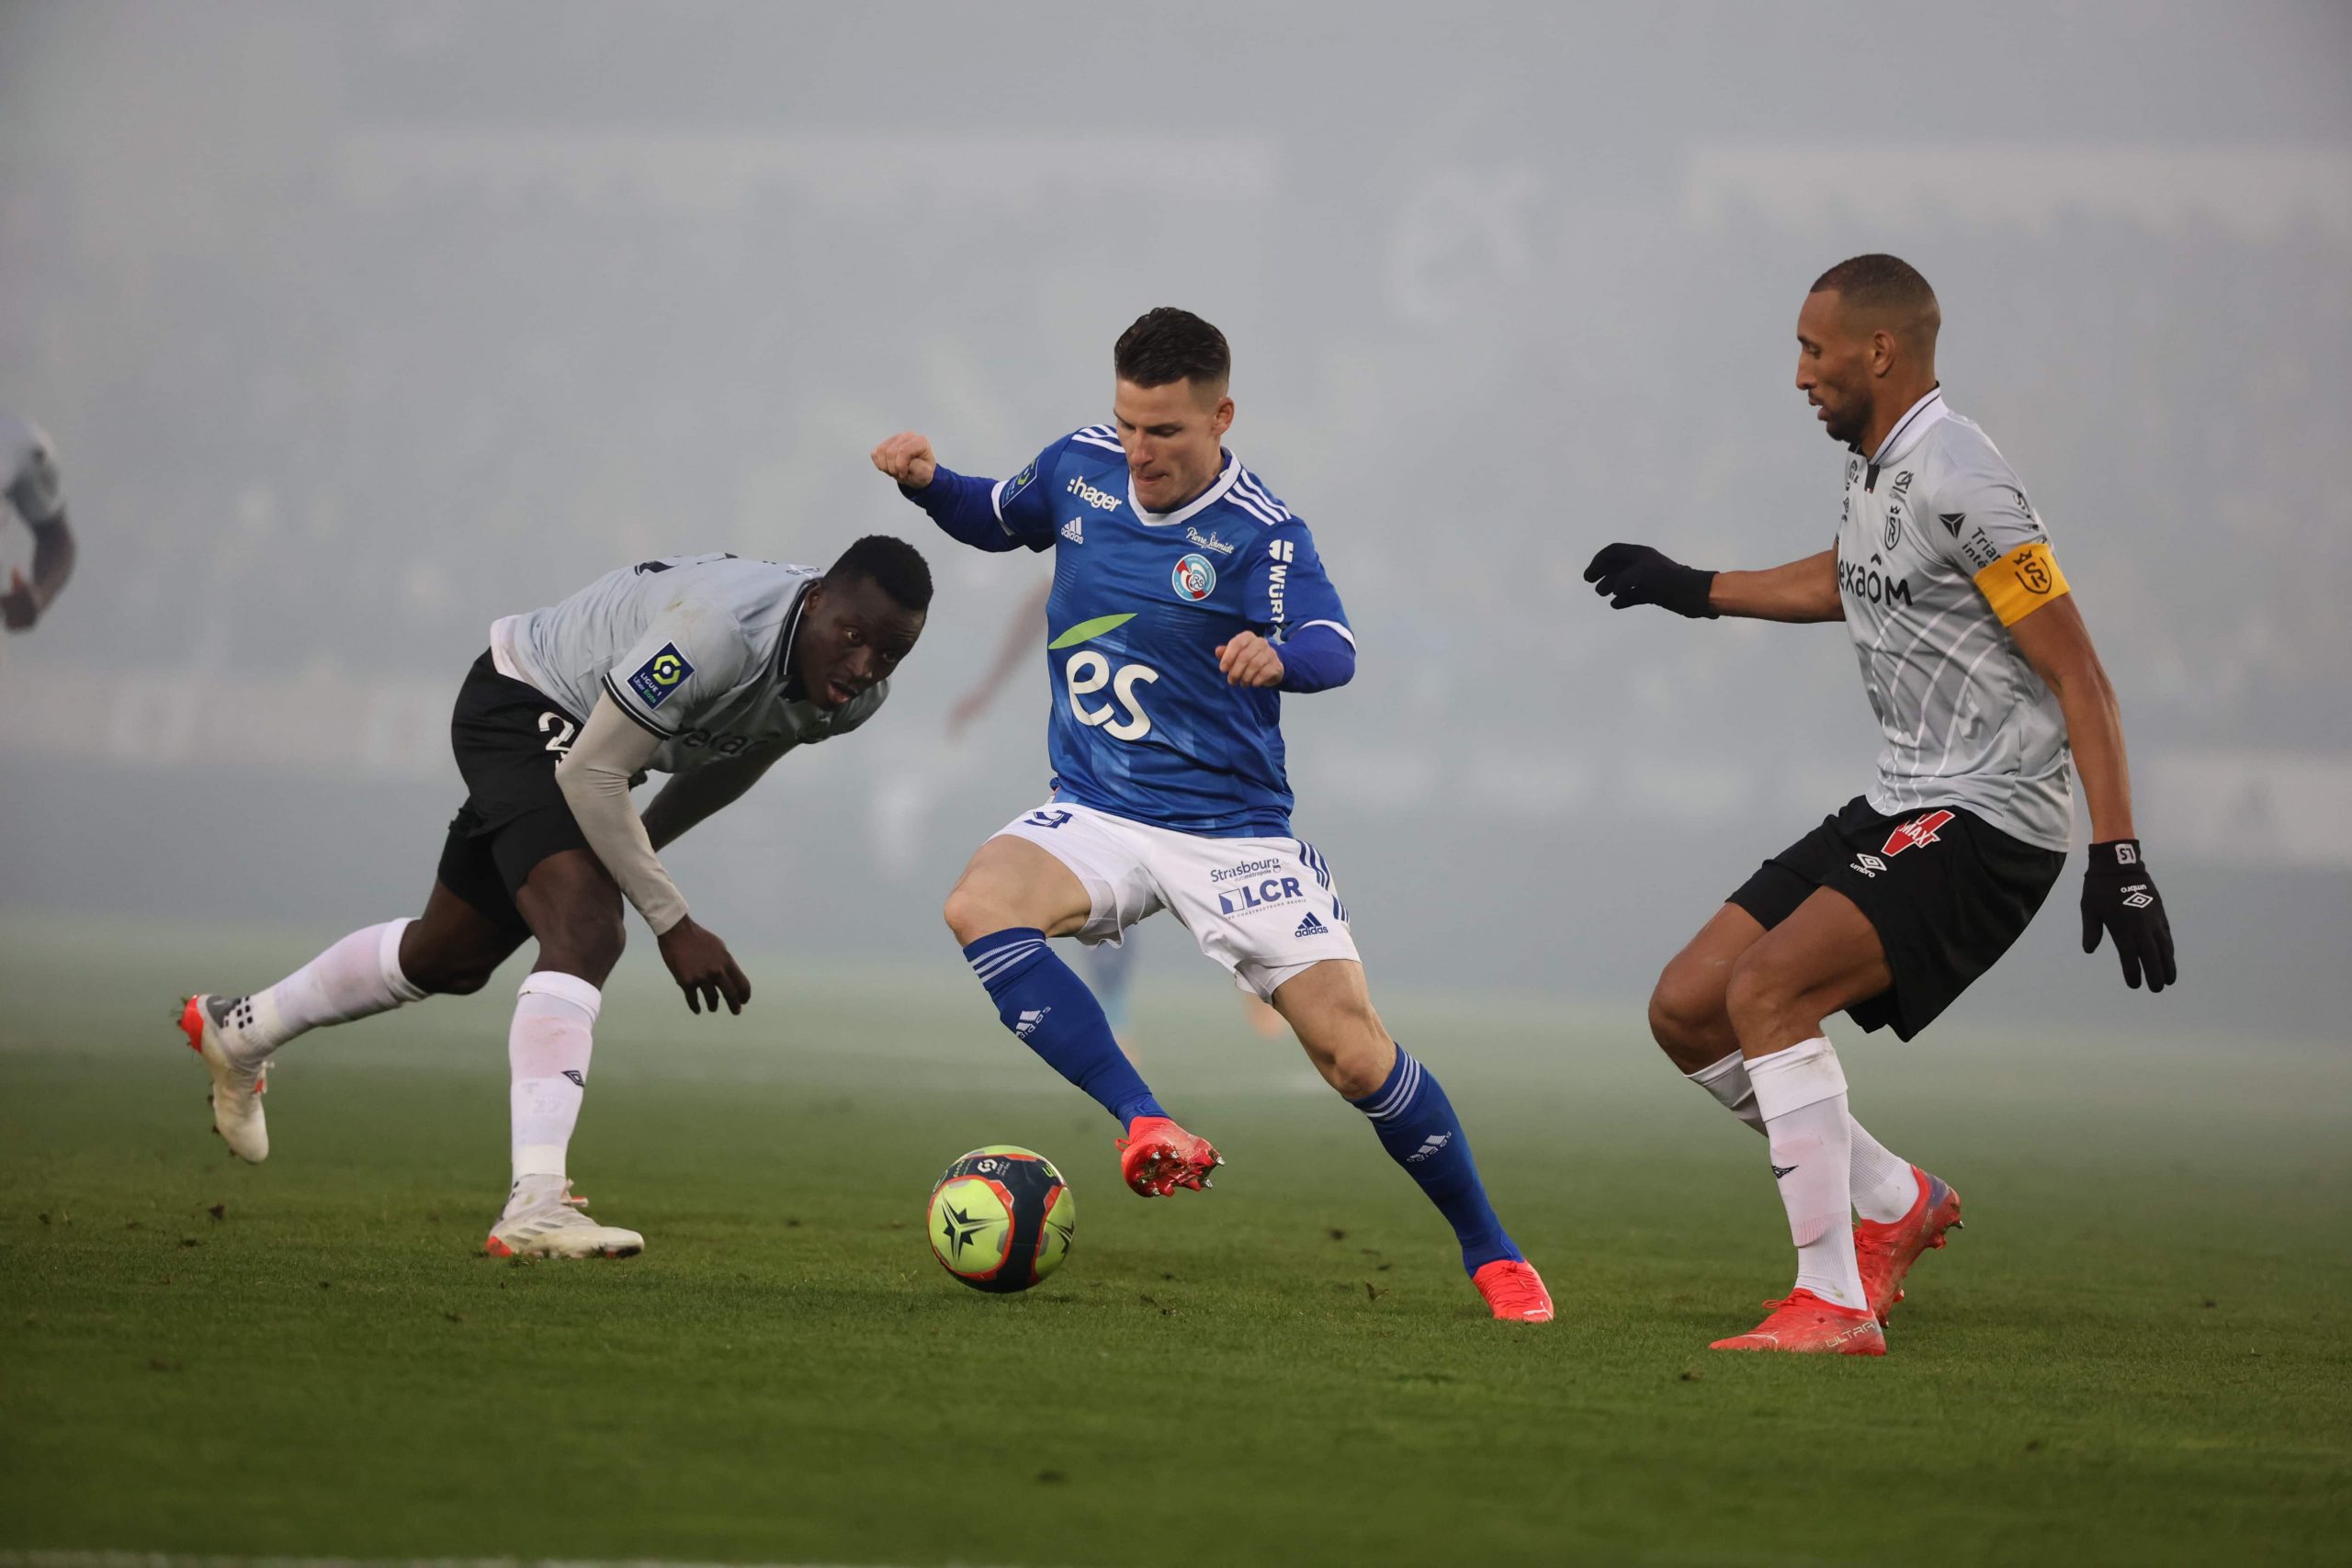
x=1311, y=926
x=579, y=1080
x=1781, y=1170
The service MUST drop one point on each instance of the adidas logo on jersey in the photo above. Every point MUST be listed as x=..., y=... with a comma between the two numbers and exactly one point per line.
x=1430, y=1145
x=1311, y=926
x=1074, y=532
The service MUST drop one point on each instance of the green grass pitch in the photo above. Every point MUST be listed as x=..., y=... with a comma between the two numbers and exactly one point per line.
x=2136, y=1353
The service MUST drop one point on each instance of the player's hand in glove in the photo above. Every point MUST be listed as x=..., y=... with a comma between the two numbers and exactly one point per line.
x=702, y=968
x=2118, y=898
x=1635, y=574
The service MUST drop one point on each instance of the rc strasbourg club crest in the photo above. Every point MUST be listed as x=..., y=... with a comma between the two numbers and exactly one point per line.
x=1917, y=832
x=1194, y=578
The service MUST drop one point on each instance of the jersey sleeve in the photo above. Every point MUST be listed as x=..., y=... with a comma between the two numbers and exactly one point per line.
x=33, y=485
x=690, y=656
x=1024, y=504
x=1979, y=519
x=1288, y=590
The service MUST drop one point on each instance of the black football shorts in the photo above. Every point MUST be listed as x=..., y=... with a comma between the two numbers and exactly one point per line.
x=508, y=736
x=1946, y=892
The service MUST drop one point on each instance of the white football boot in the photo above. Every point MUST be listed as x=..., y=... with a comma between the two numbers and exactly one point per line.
x=544, y=1220
x=236, y=1089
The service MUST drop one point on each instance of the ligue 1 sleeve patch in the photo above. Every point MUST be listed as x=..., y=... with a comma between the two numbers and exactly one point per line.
x=661, y=675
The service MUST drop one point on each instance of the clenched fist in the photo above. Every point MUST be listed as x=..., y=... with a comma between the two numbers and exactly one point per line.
x=1249, y=660
x=907, y=458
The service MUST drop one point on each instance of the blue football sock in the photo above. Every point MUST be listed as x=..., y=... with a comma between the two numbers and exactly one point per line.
x=1417, y=1127
x=1049, y=1007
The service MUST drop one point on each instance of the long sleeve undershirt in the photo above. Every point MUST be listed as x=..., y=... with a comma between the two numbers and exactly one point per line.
x=964, y=508
x=1316, y=657
x=611, y=749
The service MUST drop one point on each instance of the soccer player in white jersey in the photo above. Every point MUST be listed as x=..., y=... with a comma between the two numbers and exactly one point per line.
x=705, y=668
x=1989, y=697
x=28, y=477
x=1186, y=599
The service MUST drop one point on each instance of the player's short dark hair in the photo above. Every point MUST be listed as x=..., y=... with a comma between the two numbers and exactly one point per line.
x=1884, y=285
x=1166, y=345
x=892, y=565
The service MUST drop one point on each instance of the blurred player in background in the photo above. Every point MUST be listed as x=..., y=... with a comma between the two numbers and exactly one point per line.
x=1185, y=600
x=1112, y=962
x=707, y=668
x=29, y=479
x=1989, y=694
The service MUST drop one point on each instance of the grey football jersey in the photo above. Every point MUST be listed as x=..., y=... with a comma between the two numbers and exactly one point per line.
x=1939, y=554
x=690, y=647
x=28, y=475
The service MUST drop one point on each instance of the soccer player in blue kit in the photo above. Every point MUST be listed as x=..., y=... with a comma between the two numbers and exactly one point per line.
x=1186, y=599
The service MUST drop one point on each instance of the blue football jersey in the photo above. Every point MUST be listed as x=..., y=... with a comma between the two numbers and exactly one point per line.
x=1143, y=724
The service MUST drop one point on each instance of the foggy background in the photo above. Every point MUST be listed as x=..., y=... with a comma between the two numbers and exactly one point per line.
x=359, y=328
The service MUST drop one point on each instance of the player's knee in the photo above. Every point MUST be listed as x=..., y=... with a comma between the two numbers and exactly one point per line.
x=583, y=942
x=1687, y=1007
x=972, y=912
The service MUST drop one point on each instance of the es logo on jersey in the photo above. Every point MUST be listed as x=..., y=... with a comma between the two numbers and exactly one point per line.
x=661, y=675
x=1017, y=483
x=1194, y=577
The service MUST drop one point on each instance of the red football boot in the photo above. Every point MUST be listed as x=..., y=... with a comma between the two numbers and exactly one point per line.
x=1885, y=1253
x=1514, y=1290
x=1806, y=1325
x=1157, y=1156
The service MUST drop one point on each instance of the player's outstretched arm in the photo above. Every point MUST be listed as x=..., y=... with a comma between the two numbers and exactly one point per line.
x=963, y=505
x=1804, y=590
x=2118, y=897
x=611, y=749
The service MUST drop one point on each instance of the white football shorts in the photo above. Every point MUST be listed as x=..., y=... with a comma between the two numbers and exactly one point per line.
x=1265, y=909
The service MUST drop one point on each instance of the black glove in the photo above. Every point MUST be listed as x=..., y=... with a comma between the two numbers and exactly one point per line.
x=1637, y=574
x=2119, y=897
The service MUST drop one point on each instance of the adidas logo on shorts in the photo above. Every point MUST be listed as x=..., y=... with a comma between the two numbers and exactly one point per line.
x=1073, y=533
x=1311, y=926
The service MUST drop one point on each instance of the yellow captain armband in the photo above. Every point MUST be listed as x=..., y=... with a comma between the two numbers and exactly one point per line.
x=2021, y=581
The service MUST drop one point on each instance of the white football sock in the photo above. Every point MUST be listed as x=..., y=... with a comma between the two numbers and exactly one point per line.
x=1883, y=1186
x=547, y=1051
x=356, y=977
x=1801, y=1092
x=1727, y=1081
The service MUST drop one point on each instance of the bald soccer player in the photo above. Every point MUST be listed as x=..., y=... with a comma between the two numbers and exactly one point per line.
x=1989, y=696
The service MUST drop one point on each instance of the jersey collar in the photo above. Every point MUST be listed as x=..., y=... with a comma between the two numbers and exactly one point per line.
x=789, y=679
x=1207, y=498
x=1923, y=416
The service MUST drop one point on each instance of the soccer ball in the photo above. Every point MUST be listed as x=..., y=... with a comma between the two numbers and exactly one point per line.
x=1002, y=1218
